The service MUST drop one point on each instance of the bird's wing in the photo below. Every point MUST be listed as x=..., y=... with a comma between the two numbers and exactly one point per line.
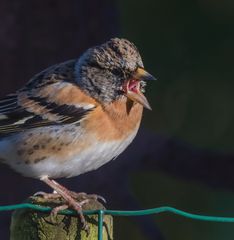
x=50, y=98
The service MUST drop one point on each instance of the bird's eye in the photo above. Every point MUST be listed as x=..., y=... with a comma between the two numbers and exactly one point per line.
x=117, y=72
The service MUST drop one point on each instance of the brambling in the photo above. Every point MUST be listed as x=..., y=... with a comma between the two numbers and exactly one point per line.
x=75, y=116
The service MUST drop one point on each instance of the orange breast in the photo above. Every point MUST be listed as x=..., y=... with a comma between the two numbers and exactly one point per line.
x=114, y=121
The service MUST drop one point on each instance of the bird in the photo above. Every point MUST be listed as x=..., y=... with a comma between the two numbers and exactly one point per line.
x=75, y=116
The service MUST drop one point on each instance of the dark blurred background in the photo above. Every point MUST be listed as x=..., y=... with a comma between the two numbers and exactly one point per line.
x=183, y=155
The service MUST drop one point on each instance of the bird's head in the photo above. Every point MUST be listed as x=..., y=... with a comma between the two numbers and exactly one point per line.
x=112, y=71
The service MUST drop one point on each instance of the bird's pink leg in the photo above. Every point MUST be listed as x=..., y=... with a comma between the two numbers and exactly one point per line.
x=80, y=195
x=66, y=195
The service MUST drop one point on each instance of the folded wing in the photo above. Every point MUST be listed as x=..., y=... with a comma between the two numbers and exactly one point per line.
x=43, y=105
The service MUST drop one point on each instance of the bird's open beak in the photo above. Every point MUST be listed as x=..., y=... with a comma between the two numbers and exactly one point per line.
x=133, y=87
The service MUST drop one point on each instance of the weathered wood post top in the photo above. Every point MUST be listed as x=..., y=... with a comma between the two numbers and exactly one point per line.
x=29, y=224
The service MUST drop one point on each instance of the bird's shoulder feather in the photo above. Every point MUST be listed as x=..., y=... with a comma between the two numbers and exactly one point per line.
x=49, y=98
x=56, y=73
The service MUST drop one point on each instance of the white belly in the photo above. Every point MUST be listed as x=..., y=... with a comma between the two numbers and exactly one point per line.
x=89, y=159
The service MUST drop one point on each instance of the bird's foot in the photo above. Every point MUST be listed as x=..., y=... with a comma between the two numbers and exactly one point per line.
x=83, y=195
x=79, y=196
x=77, y=206
x=47, y=196
x=69, y=199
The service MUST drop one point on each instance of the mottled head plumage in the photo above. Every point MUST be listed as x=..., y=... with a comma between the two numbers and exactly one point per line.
x=102, y=70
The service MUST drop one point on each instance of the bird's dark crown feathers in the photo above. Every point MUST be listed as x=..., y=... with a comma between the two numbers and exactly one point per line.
x=102, y=70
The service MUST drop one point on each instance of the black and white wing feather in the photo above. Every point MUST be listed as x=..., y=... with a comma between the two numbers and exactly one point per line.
x=38, y=105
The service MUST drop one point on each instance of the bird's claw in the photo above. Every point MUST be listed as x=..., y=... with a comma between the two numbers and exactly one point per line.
x=77, y=206
x=83, y=195
x=55, y=212
x=47, y=196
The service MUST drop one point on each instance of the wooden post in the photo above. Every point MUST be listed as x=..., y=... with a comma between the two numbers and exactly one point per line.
x=28, y=224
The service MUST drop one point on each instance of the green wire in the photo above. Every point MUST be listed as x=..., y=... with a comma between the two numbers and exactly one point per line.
x=101, y=213
x=100, y=224
x=123, y=213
